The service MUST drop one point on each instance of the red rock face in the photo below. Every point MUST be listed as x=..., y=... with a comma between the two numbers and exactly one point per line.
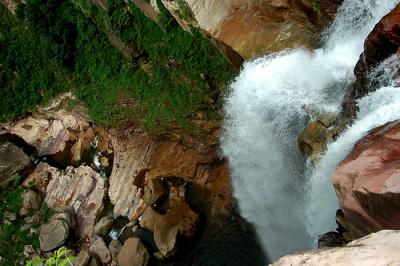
x=380, y=44
x=367, y=182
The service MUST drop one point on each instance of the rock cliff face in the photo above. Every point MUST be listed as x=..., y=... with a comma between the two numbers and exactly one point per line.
x=169, y=184
x=367, y=182
x=140, y=157
x=379, y=249
x=257, y=27
x=381, y=43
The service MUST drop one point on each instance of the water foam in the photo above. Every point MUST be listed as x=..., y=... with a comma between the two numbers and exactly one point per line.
x=265, y=112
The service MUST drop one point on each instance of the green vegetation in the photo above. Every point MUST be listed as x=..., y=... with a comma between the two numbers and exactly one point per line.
x=173, y=74
x=28, y=75
x=15, y=234
x=59, y=257
x=316, y=7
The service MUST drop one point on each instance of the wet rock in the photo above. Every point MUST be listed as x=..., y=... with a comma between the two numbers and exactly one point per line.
x=114, y=247
x=53, y=234
x=99, y=249
x=12, y=161
x=103, y=226
x=31, y=201
x=133, y=253
x=330, y=239
x=317, y=134
x=367, y=182
x=381, y=43
x=82, y=259
x=81, y=188
x=382, y=248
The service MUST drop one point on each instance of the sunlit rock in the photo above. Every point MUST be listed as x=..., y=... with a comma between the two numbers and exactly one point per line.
x=367, y=182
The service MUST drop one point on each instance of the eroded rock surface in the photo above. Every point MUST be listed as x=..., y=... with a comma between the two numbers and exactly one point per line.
x=379, y=249
x=380, y=44
x=81, y=188
x=367, y=182
x=140, y=159
x=253, y=28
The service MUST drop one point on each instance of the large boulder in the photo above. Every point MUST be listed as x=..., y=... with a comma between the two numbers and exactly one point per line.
x=317, y=134
x=53, y=234
x=51, y=133
x=133, y=253
x=142, y=160
x=180, y=220
x=81, y=188
x=367, y=182
x=379, y=249
x=256, y=27
x=12, y=161
x=380, y=44
x=66, y=137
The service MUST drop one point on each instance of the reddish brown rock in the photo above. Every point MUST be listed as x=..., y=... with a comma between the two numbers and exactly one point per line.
x=133, y=253
x=253, y=28
x=179, y=220
x=380, y=44
x=81, y=188
x=139, y=158
x=367, y=182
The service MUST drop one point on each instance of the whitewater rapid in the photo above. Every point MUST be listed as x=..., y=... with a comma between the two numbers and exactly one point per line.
x=265, y=113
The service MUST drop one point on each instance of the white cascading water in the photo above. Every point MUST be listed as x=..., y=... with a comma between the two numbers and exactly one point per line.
x=266, y=112
x=375, y=109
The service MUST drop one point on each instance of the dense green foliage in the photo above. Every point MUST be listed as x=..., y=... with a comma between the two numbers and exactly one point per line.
x=173, y=74
x=27, y=74
x=13, y=234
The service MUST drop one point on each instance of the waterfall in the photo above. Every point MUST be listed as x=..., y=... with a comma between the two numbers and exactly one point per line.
x=264, y=116
x=375, y=109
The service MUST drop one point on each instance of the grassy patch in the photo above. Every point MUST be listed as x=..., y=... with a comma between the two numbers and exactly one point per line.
x=28, y=75
x=178, y=73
